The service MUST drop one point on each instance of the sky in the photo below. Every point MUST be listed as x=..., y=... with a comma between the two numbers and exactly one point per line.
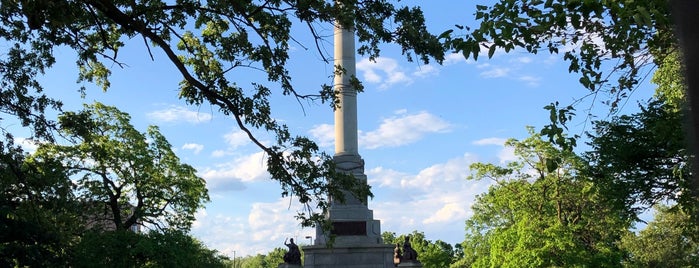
x=420, y=127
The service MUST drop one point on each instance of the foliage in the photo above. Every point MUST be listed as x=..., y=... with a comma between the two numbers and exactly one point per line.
x=670, y=240
x=38, y=210
x=533, y=216
x=155, y=249
x=275, y=257
x=125, y=177
x=270, y=260
x=670, y=81
x=435, y=254
x=612, y=45
x=641, y=159
x=250, y=261
x=629, y=35
x=208, y=42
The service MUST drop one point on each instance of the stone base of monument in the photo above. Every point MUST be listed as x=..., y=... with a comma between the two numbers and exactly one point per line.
x=410, y=264
x=355, y=256
x=286, y=265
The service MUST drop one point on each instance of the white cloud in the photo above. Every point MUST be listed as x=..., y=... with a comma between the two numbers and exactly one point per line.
x=425, y=71
x=218, y=153
x=383, y=177
x=231, y=175
x=454, y=58
x=236, y=138
x=266, y=227
x=436, y=200
x=438, y=208
x=495, y=72
x=403, y=128
x=384, y=71
x=178, y=114
x=275, y=221
x=448, y=212
x=453, y=170
x=523, y=59
x=28, y=145
x=531, y=81
x=193, y=146
x=324, y=134
x=506, y=154
x=491, y=141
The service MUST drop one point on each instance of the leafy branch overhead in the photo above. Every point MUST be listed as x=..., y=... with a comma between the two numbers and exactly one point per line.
x=207, y=42
x=611, y=44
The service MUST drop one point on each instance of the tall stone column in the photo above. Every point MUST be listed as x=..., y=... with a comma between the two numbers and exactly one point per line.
x=356, y=235
x=346, y=140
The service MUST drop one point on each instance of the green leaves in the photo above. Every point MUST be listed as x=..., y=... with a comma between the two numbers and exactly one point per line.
x=541, y=215
x=432, y=254
x=134, y=176
x=595, y=35
x=207, y=43
x=555, y=131
x=641, y=159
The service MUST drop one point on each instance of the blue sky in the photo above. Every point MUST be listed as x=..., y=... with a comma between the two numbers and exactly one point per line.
x=421, y=126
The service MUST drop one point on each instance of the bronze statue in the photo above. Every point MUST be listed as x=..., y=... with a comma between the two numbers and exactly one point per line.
x=293, y=256
x=409, y=254
x=396, y=254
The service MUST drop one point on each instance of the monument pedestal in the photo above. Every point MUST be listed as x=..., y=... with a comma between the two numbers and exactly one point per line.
x=413, y=264
x=286, y=265
x=355, y=256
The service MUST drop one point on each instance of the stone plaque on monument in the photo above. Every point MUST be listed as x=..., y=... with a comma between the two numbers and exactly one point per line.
x=342, y=228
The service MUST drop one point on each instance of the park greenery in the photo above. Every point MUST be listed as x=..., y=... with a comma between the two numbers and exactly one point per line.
x=72, y=201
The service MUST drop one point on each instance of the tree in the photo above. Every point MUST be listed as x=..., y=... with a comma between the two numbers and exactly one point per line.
x=207, y=42
x=640, y=160
x=38, y=210
x=534, y=216
x=431, y=254
x=154, y=249
x=251, y=261
x=669, y=240
x=275, y=257
x=125, y=177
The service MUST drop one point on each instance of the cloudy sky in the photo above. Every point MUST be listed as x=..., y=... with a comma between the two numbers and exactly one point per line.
x=420, y=127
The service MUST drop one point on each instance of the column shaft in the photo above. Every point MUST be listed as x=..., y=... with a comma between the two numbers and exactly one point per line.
x=346, y=114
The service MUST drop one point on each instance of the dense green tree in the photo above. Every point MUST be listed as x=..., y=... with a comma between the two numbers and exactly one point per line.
x=208, y=42
x=431, y=254
x=270, y=260
x=275, y=257
x=155, y=249
x=125, y=177
x=535, y=216
x=642, y=159
x=250, y=261
x=670, y=240
x=39, y=213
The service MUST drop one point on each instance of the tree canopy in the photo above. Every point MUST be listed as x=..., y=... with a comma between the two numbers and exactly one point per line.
x=123, y=176
x=430, y=254
x=533, y=216
x=207, y=42
x=642, y=159
x=669, y=240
